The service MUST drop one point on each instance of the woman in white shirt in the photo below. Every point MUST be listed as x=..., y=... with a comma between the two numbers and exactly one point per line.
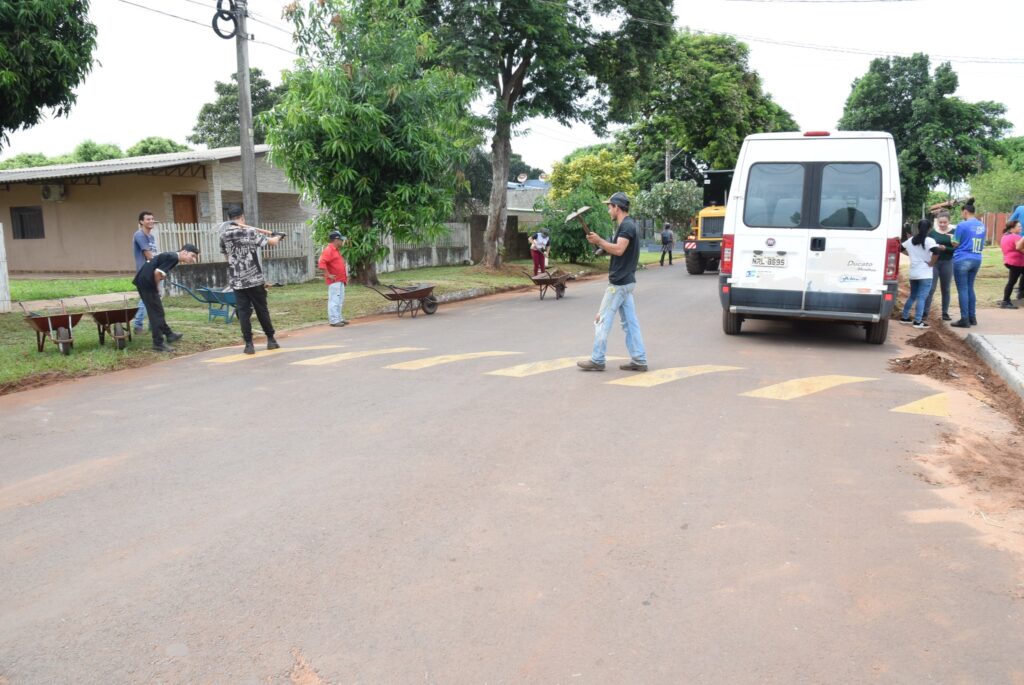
x=923, y=252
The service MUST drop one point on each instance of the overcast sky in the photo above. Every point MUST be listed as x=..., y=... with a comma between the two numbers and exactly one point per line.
x=156, y=71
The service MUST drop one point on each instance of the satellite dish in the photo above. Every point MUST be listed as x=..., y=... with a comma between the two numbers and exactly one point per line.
x=543, y=176
x=522, y=178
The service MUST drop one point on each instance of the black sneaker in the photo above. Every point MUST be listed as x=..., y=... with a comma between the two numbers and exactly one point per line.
x=249, y=349
x=974, y=322
x=633, y=366
x=163, y=347
x=174, y=337
x=962, y=323
x=1006, y=304
x=947, y=317
x=272, y=344
x=920, y=324
x=590, y=365
x=902, y=320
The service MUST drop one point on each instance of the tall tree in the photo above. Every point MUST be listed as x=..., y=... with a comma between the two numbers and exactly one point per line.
x=155, y=145
x=217, y=124
x=674, y=201
x=939, y=137
x=367, y=128
x=705, y=103
x=46, y=51
x=544, y=58
x=91, y=151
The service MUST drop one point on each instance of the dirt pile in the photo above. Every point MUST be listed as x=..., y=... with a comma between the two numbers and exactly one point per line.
x=930, y=364
x=930, y=340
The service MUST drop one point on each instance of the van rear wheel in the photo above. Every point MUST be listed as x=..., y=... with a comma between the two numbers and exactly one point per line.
x=877, y=332
x=731, y=322
x=694, y=263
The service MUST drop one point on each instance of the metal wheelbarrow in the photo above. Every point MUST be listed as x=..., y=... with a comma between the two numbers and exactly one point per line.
x=56, y=327
x=411, y=299
x=221, y=304
x=114, y=322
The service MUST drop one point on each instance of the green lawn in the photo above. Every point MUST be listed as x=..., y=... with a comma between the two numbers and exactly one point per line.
x=55, y=289
x=291, y=307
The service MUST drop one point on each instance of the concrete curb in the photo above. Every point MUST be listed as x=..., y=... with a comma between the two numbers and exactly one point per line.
x=998, y=360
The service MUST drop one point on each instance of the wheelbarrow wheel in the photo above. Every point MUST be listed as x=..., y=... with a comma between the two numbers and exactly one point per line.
x=64, y=342
x=119, y=336
x=559, y=291
x=429, y=304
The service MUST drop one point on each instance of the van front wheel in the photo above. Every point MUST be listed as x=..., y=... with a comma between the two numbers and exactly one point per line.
x=731, y=322
x=877, y=332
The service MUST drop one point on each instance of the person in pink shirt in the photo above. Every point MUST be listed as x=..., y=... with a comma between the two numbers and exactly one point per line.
x=1012, y=245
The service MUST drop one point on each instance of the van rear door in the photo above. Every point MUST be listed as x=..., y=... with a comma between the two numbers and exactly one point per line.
x=848, y=225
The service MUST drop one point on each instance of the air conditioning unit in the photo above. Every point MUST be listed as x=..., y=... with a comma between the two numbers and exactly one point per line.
x=52, y=193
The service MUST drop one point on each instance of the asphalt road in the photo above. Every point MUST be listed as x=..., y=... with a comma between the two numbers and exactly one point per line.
x=362, y=508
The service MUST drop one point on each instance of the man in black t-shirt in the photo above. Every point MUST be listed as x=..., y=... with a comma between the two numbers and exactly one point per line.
x=625, y=252
x=668, y=239
x=147, y=282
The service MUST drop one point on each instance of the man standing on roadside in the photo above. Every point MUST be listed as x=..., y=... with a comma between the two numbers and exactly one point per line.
x=336, y=276
x=668, y=240
x=147, y=282
x=625, y=252
x=144, y=249
x=239, y=243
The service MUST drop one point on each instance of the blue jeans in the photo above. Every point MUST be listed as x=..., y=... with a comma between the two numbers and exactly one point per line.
x=942, y=275
x=140, y=316
x=919, y=290
x=964, y=273
x=618, y=298
x=335, y=299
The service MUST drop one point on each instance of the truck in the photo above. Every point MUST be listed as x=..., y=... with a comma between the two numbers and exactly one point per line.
x=703, y=246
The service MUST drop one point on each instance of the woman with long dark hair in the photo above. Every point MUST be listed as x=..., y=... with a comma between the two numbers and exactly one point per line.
x=969, y=243
x=923, y=254
x=1013, y=258
x=942, y=272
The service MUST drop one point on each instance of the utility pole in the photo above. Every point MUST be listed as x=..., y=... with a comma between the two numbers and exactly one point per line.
x=250, y=197
x=668, y=160
x=236, y=15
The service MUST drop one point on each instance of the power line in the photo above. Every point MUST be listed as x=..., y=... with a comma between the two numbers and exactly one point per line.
x=166, y=14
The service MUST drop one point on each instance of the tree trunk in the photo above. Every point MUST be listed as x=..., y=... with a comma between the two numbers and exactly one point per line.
x=497, y=208
x=364, y=274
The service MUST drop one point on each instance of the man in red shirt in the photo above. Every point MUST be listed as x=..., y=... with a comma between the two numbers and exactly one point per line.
x=336, y=276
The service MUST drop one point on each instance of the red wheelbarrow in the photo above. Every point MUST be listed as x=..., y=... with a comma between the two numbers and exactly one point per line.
x=115, y=323
x=56, y=327
x=411, y=299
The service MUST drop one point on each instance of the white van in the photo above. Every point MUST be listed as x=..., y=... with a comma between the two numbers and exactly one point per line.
x=813, y=230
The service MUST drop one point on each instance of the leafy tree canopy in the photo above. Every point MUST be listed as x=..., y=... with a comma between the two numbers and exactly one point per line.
x=606, y=173
x=46, y=51
x=674, y=201
x=91, y=151
x=26, y=160
x=217, y=124
x=546, y=58
x=591, y=150
x=939, y=137
x=155, y=145
x=705, y=102
x=367, y=128
x=1000, y=189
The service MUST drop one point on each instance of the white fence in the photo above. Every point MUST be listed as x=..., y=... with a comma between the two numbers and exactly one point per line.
x=450, y=249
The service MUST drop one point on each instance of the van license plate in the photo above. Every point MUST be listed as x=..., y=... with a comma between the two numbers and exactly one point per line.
x=767, y=260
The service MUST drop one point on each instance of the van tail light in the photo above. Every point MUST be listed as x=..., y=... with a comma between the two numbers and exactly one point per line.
x=892, y=259
x=725, y=263
x=816, y=134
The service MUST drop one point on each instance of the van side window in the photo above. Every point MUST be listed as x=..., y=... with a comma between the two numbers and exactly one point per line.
x=775, y=195
x=851, y=195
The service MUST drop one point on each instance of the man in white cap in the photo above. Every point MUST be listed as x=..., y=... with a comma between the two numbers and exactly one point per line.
x=336, y=276
x=625, y=253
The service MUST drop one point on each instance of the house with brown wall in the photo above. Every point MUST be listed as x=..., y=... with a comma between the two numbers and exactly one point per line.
x=81, y=217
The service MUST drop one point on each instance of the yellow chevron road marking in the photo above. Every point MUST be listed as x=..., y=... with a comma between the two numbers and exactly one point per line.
x=933, y=405
x=426, y=362
x=346, y=356
x=260, y=354
x=800, y=387
x=652, y=378
x=534, y=368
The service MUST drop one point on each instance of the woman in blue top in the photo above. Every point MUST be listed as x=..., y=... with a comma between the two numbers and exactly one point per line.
x=968, y=241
